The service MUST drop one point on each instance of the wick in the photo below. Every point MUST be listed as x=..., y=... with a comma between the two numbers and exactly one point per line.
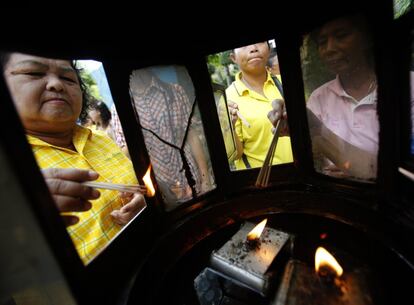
x=252, y=244
x=329, y=278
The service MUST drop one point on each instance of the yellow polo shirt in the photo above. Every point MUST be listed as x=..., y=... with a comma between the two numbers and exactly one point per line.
x=254, y=108
x=97, y=152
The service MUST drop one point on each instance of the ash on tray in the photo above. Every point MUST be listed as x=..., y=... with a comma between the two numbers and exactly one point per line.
x=248, y=264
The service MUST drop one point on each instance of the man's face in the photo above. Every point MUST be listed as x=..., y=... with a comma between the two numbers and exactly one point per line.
x=252, y=58
x=46, y=92
x=342, y=46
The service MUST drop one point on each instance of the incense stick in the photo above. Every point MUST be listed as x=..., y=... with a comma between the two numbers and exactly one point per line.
x=127, y=188
x=264, y=174
x=406, y=173
x=243, y=119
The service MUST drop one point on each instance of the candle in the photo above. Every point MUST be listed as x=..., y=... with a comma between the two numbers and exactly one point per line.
x=253, y=238
x=326, y=266
x=327, y=284
x=248, y=264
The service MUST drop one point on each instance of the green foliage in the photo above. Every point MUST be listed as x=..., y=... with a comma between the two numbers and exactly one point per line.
x=222, y=70
x=90, y=84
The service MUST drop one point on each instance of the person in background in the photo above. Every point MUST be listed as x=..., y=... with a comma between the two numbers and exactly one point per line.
x=347, y=105
x=273, y=66
x=49, y=97
x=117, y=132
x=99, y=118
x=164, y=112
x=250, y=100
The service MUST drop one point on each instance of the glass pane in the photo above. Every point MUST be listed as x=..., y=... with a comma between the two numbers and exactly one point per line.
x=101, y=115
x=253, y=85
x=226, y=127
x=165, y=103
x=412, y=92
x=401, y=7
x=53, y=98
x=341, y=94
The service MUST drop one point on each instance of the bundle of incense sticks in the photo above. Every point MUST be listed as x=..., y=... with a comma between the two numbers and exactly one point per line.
x=127, y=188
x=264, y=174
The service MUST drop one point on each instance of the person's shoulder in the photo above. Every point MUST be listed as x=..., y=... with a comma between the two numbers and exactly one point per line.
x=322, y=90
x=101, y=136
x=231, y=88
x=99, y=133
x=174, y=86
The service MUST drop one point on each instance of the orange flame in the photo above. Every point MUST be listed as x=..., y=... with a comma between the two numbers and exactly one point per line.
x=148, y=182
x=257, y=230
x=325, y=259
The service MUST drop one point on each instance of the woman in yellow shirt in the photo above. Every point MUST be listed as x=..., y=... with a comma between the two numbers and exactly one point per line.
x=49, y=99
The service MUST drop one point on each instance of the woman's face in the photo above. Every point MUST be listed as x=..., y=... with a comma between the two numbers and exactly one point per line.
x=252, y=58
x=96, y=119
x=342, y=46
x=46, y=92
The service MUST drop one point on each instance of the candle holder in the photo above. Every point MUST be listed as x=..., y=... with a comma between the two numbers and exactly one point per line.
x=301, y=285
x=244, y=263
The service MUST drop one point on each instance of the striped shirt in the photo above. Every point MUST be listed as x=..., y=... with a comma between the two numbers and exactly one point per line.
x=97, y=152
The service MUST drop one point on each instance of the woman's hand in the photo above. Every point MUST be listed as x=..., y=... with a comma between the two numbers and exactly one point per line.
x=70, y=195
x=135, y=203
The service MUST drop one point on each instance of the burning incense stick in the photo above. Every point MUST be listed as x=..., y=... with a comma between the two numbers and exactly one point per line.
x=264, y=174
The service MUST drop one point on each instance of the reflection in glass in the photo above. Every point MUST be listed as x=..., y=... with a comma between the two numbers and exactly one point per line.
x=52, y=98
x=173, y=132
x=342, y=112
x=401, y=7
x=252, y=80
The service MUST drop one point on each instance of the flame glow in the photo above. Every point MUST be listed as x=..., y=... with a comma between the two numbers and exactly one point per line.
x=347, y=165
x=148, y=182
x=257, y=230
x=324, y=258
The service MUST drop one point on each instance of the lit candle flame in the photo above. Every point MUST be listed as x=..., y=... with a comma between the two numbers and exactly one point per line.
x=148, y=182
x=257, y=230
x=324, y=258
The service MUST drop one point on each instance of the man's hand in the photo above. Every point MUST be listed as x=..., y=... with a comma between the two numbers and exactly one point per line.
x=233, y=109
x=278, y=112
x=136, y=202
x=68, y=192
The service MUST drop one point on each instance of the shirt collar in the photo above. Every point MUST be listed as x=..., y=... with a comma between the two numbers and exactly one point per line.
x=242, y=89
x=80, y=137
x=336, y=87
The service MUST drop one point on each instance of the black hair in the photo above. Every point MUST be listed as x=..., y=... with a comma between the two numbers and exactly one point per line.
x=86, y=96
x=357, y=20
